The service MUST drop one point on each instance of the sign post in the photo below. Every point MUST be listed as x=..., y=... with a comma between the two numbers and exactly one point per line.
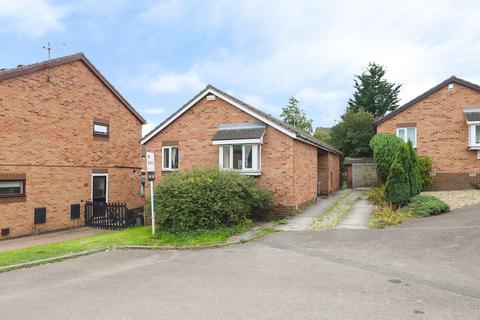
x=151, y=178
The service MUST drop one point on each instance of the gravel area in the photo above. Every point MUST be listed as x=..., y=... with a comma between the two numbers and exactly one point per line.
x=457, y=199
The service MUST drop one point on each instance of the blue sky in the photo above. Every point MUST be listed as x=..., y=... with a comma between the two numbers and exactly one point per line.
x=160, y=53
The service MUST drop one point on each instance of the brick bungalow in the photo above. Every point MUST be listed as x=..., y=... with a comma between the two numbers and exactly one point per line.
x=443, y=123
x=66, y=136
x=216, y=129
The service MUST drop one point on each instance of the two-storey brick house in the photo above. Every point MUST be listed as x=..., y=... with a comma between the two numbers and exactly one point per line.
x=443, y=123
x=66, y=137
x=216, y=129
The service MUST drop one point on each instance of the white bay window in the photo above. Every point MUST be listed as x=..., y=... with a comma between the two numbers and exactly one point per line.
x=241, y=157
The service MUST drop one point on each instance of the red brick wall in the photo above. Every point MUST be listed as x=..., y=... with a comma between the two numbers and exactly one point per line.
x=305, y=177
x=442, y=134
x=194, y=131
x=328, y=172
x=46, y=132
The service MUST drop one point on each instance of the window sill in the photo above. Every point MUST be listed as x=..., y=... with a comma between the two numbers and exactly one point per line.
x=13, y=198
x=169, y=170
x=474, y=148
x=246, y=172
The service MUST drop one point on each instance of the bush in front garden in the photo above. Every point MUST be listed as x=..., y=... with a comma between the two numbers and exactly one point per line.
x=425, y=167
x=385, y=150
x=206, y=199
x=412, y=169
x=425, y=205
x=397, y=188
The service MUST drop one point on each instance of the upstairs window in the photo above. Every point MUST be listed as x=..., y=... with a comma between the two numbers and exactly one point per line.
x=100, y=129
x=170, y=158
x=408, y=134
x=241, y=157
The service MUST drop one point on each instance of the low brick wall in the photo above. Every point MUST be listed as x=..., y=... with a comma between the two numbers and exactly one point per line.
x=452, y=181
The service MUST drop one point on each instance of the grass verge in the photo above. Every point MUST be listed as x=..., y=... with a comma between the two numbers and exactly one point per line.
x=136, y=236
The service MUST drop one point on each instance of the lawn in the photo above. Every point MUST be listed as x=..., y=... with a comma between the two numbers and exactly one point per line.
x=136, y=236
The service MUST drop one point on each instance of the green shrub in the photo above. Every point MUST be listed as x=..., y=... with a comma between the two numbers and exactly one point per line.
x=425, y=167
x=412, y=169
x=387, y=216
x=426, y=205
x=476, y=185
x=385, y=150
x=377, y=195
x=206, y=199
x=397, y=188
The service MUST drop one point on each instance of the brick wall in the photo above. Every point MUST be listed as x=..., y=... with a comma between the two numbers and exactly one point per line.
x=442, y=134
x=305, y=177
x=47, y=134
x=328, y=172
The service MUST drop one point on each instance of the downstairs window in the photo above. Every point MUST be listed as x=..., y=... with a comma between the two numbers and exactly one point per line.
x=241, y=157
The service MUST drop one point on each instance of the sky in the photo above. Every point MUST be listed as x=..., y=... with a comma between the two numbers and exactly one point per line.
x=159, y=54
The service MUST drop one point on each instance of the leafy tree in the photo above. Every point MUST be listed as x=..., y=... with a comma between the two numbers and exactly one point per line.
x=397, y=188
x=385, y=150
x=353, y=133
x=373, y=92
x=412, y=169
x=296, y=117
x=425, y=166
x=322, y=134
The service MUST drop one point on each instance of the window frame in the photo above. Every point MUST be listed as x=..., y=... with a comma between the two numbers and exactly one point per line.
x=472, y=134
x=169, y=168
x=256, y=158
x=414, y=143
x=98, y=133
x=15, y=195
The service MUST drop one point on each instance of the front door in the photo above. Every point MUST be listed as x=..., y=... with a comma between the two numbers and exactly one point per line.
x=99, y=194
x=99, y=188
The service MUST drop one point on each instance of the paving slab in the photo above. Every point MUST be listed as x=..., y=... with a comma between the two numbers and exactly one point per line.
x=45, y=238
x=304, y=220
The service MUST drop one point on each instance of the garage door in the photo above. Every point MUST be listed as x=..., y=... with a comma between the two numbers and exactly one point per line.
x=364, y=175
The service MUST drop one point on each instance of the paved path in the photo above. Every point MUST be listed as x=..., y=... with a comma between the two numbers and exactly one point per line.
x=359, y=215
x=45, y=238
x=304, y=220
x=425, y=269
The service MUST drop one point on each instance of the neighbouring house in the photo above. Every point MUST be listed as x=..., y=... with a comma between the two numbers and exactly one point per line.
x=443, y=123
x=66, y=136
x=360, y=172
x=216, y=129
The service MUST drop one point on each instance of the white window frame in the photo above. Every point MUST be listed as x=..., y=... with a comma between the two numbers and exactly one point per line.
x=101, y=125
x=256, y=158
x=106, y=186
x=169, y=167
x=414, y=143
x=472, y=134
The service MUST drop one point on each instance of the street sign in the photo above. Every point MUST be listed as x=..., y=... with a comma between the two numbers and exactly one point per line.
x=150, y=161
x=151, y=177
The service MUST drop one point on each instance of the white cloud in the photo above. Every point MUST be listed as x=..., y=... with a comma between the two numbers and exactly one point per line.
x=146, y=128
x=171, y=82
x=31, y=17
x=163, y=11
x=321, y=45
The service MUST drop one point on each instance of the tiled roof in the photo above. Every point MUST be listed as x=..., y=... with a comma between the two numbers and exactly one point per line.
x=237, y=133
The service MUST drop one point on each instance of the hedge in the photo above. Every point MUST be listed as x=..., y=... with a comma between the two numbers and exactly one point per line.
x=385, y=150
x=205, y=199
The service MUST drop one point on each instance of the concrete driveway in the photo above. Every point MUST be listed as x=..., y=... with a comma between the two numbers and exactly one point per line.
x=426, y=269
